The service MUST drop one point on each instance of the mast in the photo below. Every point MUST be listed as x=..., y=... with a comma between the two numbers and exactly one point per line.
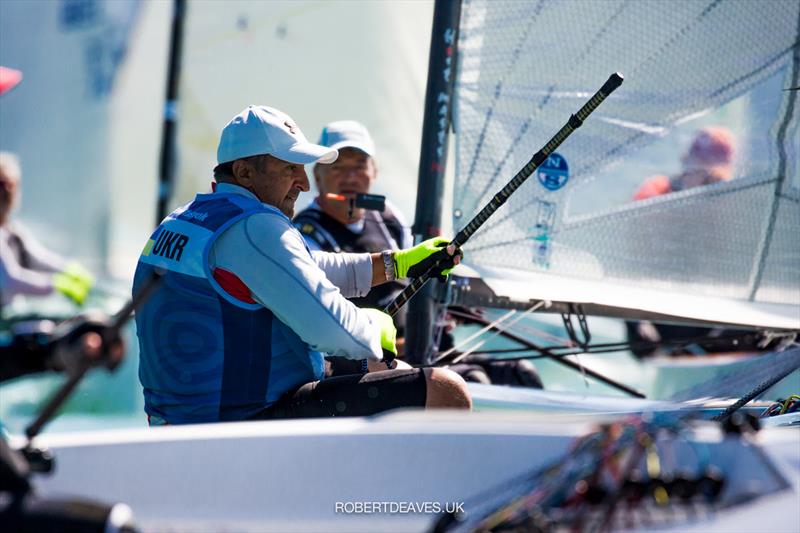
x=433, y=157
x=166, y=165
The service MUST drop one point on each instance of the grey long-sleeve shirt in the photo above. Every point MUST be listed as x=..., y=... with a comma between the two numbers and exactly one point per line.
x=34, y=278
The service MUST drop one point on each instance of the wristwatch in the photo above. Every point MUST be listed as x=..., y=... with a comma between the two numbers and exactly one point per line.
x=388, y=265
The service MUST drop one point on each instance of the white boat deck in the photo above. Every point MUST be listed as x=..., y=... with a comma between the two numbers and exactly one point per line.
x=292, y=475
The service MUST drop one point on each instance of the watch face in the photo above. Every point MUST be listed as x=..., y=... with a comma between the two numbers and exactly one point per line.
x=388, y=266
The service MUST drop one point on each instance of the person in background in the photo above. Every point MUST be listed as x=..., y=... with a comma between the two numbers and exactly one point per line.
x=70, y=347
x=336, y=226
x=60, y=347
x=26, y=266
x=245, y=312
x=709, y=160
x=66, y=348
x=333, y=225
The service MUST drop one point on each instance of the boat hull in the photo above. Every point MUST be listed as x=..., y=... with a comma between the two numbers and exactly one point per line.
x=311, y=475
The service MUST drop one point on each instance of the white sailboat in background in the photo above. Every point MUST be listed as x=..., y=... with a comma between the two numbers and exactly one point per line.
x=569, y=242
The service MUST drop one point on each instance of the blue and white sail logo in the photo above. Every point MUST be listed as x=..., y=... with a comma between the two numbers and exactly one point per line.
x=553, y=172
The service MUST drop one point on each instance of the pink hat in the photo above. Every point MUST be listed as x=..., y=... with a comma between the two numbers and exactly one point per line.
x=712, y=146
x=9, y=78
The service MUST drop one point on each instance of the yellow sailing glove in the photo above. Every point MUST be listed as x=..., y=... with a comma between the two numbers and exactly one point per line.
x=74, y=282
x=414, y=262
x=388, y=331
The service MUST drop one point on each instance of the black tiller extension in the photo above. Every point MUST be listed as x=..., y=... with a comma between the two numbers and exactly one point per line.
x=575, y=121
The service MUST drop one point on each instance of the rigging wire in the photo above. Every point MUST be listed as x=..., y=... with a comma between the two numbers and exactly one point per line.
x=475, y=335
x=498, y=330
x=748, y=339
x=562, y=361
x=577, y=310
x=532, y=330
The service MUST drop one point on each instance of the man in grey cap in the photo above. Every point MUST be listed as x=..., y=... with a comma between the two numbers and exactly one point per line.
x=239, y=325
x=333, y=224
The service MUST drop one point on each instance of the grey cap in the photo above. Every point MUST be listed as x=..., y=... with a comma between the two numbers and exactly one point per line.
x=347, y=134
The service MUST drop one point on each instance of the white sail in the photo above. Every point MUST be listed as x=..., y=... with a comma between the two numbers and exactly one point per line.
x=725, y=252
x=65, y=120
x=86, y=120
x=318, y=62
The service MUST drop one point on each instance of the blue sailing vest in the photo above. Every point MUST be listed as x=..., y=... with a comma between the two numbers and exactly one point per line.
x=204, y=355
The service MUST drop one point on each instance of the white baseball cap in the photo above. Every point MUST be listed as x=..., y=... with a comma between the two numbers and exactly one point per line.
x=262, y=130
x=347, y=134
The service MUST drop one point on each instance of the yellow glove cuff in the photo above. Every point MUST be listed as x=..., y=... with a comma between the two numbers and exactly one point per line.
x=386, y=325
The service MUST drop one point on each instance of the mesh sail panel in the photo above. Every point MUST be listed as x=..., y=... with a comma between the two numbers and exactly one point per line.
x=526, y=66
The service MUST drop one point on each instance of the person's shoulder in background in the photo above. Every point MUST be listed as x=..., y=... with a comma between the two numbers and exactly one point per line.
x=652, y=187
x=308, y=223
x=408, y=239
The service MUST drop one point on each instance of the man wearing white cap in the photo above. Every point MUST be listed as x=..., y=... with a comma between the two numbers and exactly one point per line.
x=239, y=325
x=333, y=225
